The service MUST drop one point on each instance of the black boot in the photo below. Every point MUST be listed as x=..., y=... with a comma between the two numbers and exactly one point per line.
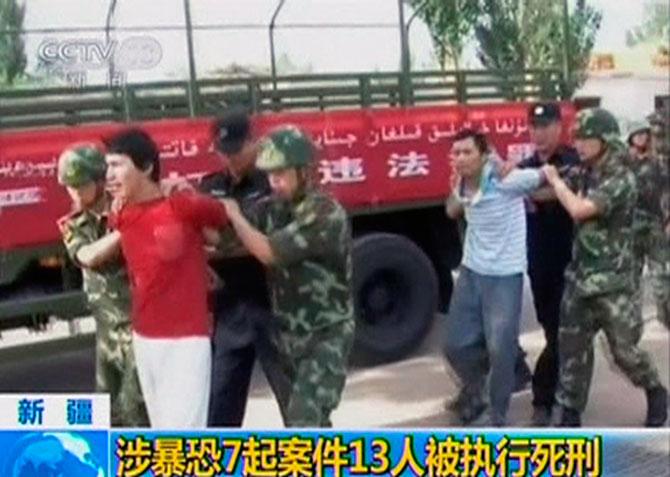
x=657, y=406
x=457, y=403
x=471, y=407
x=570, y=418
x=541, y=416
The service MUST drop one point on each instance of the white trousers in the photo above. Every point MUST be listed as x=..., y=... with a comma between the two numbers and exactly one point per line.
x=175, y=376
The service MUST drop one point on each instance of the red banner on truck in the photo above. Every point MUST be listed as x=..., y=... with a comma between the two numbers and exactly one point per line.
x=368, y=158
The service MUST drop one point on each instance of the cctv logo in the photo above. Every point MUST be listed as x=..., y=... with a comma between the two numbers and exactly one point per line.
x=134, y=53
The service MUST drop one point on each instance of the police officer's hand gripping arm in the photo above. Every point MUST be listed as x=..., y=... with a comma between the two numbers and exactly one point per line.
x=579, y=208
x=173, y=184
x=254, y=240
x=542, y=194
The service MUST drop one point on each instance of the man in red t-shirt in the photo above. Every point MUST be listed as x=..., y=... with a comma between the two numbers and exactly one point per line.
x=162, y=241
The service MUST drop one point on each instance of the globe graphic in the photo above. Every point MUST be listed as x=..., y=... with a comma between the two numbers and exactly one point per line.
x=52, y=455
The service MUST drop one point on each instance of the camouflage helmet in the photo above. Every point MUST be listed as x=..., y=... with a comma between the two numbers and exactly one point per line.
x=597, y=123
x=80, y=164
x=285, y=147
x=637, y=127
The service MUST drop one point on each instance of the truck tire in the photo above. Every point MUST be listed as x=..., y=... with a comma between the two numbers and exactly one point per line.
x=396, y=297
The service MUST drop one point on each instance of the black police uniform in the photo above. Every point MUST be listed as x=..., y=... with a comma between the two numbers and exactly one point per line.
x=243, y=320
x=549, y=239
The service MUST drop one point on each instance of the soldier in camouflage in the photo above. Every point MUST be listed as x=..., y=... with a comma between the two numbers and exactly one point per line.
x=81, y=169
x=638, y=140
x=303, y=237
x=650, y=244
x=601, y=200
x=660, y=147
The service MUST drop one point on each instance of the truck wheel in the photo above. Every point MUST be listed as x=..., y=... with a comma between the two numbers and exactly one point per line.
x=396, y=296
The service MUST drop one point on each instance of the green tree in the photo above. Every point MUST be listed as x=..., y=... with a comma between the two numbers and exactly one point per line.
x=12, y=49
x=522, y=34
x=286, y=66
x=500, y=35
x=584, y=24
x=450, y=23
x=655, y=25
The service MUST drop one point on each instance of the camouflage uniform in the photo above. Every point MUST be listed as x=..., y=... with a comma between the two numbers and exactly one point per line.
x=108, y=295
x=310, y=284
x=599, y=279
x=660, y=129
x=242, y=312
x=650, y=244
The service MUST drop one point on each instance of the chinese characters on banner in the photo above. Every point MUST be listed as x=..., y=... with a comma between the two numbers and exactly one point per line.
x=410, y=151
x=386, y=157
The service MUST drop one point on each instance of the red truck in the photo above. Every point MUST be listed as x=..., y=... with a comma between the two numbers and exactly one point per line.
x=385, y=157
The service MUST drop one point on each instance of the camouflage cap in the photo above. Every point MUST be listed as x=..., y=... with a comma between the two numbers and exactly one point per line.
x=638, y=127
x=285, y=147
x=81, y=164
x=597, y=123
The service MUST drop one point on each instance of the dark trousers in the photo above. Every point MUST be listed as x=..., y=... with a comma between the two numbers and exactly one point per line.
x=547, y=286
x=241, y=334
x=481, y=329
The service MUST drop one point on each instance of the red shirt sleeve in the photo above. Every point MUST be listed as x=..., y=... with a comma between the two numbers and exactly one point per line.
x=114, y=220
x=200, y=210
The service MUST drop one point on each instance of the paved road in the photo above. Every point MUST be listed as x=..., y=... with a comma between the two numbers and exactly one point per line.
x=409, y=393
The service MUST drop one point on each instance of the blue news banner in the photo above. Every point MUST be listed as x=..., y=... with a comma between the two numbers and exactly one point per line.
x=69, y=436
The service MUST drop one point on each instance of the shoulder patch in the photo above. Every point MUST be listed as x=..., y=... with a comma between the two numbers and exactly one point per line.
x=66, y=221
